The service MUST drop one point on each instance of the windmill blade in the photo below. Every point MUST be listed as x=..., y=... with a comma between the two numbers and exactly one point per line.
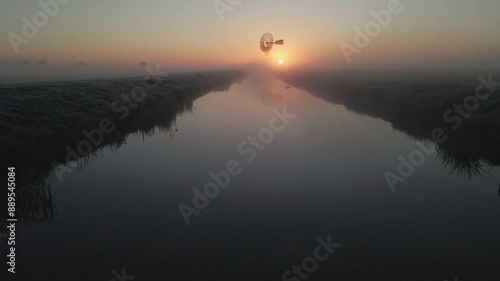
x=267, y=42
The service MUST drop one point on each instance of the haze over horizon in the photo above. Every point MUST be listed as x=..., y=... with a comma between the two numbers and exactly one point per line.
x=190, y=34
x=250, y=140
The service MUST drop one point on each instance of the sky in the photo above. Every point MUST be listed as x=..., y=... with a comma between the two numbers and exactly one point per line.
x=425, y=34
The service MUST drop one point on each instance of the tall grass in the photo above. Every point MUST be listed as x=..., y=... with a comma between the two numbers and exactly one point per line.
x=38, y=121
x=415, y=105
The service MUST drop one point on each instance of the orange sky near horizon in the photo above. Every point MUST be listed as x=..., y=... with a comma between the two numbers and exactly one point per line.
x=424, y=34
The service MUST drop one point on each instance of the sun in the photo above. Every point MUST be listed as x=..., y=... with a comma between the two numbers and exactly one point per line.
x=280, y=61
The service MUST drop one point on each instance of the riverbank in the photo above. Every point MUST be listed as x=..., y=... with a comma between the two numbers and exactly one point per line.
x=421, y=104
x=46, y=125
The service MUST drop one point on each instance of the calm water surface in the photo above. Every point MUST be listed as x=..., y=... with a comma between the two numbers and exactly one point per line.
x=322, y=175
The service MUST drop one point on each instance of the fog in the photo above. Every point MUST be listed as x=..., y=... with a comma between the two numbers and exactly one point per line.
x=14, y=73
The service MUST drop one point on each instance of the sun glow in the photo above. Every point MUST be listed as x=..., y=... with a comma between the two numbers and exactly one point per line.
x=280, y=61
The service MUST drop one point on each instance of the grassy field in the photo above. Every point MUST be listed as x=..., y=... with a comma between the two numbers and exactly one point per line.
x=38, y=122
x=415, y=103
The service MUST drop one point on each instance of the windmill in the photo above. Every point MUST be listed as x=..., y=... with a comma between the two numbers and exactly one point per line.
x=267, y=42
